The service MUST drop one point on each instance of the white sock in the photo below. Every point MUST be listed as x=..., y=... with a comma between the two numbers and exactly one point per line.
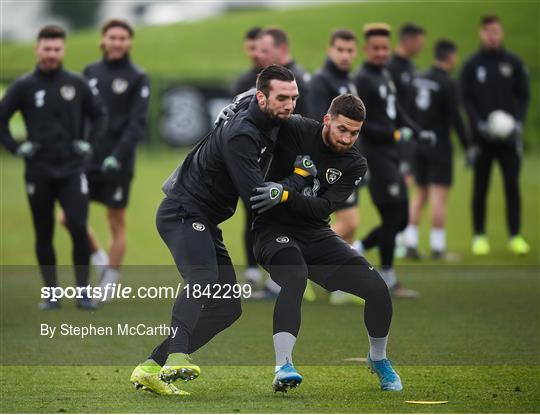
x=389, y=277
x=99, y=257
x=400, y=239
x=272, y=286
x=377, y=347
x=437, y=239
x=410, y=237
x=253, y=275
x=110, y=276
x=283, y=346
x=359, y=246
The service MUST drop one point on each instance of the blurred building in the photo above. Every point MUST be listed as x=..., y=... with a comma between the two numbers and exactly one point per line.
x=19, y=23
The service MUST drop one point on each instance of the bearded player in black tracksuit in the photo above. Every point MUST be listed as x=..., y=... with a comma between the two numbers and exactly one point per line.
x=294, y=241
x=54, y=104
x=438, y=110
x=124, y=88
x=202, y=193
x=384, y=127
x=495, y=79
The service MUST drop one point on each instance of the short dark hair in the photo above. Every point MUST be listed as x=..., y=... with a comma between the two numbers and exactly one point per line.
x=349, y=106
x=270, y=73
x=51, y=32
x=109, y=24
x=443, y=48
x=411, y=30
x=488, y=19
x=376, y=29
x=279, y=35
x=344, y=34
x=252, y=33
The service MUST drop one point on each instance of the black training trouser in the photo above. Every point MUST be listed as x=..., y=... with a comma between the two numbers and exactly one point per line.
x=72, y=193
x=248, y=240
x=394, y=218
x=320, y=255
x=509, y=157
x=197, y=247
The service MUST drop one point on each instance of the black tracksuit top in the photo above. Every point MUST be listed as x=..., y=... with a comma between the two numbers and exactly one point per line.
x=124, y=89
x=54, y=106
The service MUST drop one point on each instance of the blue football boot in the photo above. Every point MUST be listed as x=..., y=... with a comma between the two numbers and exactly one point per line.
x=286, y=377
x=390, y=380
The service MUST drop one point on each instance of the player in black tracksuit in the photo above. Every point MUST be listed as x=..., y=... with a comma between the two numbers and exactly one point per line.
x=124, y=89
x=437, y=110
x=496, y=79
x=54, y=104
x=202, y=193
x=294, y=241
x=327, y=83
x=331, y=80
x=383, y=128
x=403, y=72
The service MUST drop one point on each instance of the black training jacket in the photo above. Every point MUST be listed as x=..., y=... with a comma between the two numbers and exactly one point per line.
x=492, y=80
x=124, y=90
x=438, y=106
x=337, y=176
x=327, y=83
x=403, y=73
x=383, y=113
x=229, y=162
x=54, y=106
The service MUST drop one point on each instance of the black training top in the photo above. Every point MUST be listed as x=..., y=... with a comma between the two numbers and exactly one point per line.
x=124, y=90
x=403, y=73
x=383, y=114
x=338, y=175
x=54, y=106
x=437, y=102
x=327, y=83
x=231, y=161
x=492, y=80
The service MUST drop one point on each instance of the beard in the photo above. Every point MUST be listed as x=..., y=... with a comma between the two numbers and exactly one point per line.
x=334, y=144
x=274, y=116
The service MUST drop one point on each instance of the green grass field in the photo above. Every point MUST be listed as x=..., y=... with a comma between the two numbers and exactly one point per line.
x=473, y=337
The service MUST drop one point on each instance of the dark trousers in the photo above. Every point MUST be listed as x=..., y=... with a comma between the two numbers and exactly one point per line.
x=198, y=251
x=509, y=158
x=394, y=217
x=72, y=193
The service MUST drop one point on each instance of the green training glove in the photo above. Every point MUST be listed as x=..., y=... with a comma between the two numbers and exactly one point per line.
x=267, y=197
x=305, y=167
x=110, y=163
